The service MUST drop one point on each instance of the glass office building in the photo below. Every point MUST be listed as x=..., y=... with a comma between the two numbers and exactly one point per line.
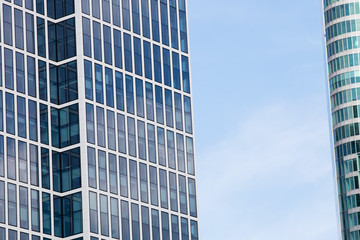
x=342, y=36
x=96, y=129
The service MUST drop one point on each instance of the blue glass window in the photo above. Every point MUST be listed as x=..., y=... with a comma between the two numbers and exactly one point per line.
x=85, y=6
x=176, y=70
x=116, y=12
x=88, y=80
x=96, y=8
x=106, y=10
x=121, y=133
x=161, y=146
x=182, y=194
x=159, y=105
x=99, y=84
x=180, y=152
x=119, y=91
x=45, y=168
x=40, y=6
x=178, y=111
x=145, y=222
x=153, y=186
x=133, y=180
x=100, y=120
x=42, y=80
x=165, y=226
x=125, y=225
x=24, y=207
x=113, y=179
x=129, y=94
x=184, y=229
x=137, y=56
x=183, y=26
x=32, y=120
x=97, y=41
x=115, y=231
x=190, y=155
x=135, y=16
x=86, y=36
x=63, y=83
x=11, y=158
x=155, y=224
x=194, y=230
x=29, y=4
x=131, y=136
x=46, y=206
x=126, y=14
x=151, y=143
x=34, y=166
x=93, y=212
x=104, y=215
x=2, y=204
x=7, y=21
x=2, y=162
x=117, y=49
x=31, y=76
x=192, y=197
x=164, y=23
x=143, y=183
x=92, y=167
x=166, y=66
x=173, y=24
x=155, y=20
x=163, y=189
x=188, y=117
x=30, y=41
x=21, y=116
x=12, y=202
x=111, y=129
x=35, y=211
x=90, y=123
x=107, y=45
x=149, y=101
x=20, y=73
x=141, y=140
x=169, y=108
x=109, y=81
x=139, y=98
x=10, y=113
x=185, y=74
x=123, y=177
x=147, y=60
x=135, y=221
x=173, y=192
x=19, y=35
x=41, y=44
x=127, y=52
x=171, y=149
x=157, y=63
x=9, y=70
x=44, y=129
x=66, y=170
x=59, y=8
x=145, y=18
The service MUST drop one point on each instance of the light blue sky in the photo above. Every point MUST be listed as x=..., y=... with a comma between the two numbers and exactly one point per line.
x=261, y=121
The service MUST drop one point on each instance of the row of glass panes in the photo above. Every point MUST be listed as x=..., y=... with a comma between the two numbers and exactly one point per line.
x=29, y=116
x=138, y=222
x=348, y=26
x=341, y=11
x=138, y=99
x=135, y=137
x=139, y=178
x=151, y=62
x=25, y=210
x=12, y=234
x=20, y=33
x=133, y=20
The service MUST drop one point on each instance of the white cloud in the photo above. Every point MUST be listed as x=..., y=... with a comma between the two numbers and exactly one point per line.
x=271, y=178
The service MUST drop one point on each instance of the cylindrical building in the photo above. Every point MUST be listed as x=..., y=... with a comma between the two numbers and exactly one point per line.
x=342, y=36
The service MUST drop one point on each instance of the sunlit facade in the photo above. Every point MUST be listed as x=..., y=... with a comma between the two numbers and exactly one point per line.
x=96, y=125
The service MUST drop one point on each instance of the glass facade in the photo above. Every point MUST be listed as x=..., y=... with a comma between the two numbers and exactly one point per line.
x=342, y=31
x=122, y=68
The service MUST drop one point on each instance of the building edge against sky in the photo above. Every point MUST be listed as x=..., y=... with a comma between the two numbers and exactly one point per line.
x=96, y=121
x=342, y=38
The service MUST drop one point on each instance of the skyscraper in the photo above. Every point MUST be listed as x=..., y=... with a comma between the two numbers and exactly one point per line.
x=96, y=129
x=342, y=33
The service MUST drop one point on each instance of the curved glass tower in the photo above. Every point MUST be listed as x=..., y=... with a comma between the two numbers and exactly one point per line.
x=96, y=129
x=342, y=33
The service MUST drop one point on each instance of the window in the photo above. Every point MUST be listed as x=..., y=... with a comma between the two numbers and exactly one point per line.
x=149, y=101
x=2, y=162
x=155, y=224
x=97, y=39
x=111, y=130
x=30, y=34
x=166, y=67
x=194, y=230
x=161, y=146
x=24, y=207
x=190, y=155
x=163, y=189
x=178, y=111
x=42, y=80
x=192, y=197
x=100, y=120
x=139, y=98
x=2, y=202
x=157, y=62
x=46, y=206
x=19, y=35
x=44, y=128
x=175, y=227
x=125, y=225
x=96, y=8
x=176, y=70
x=66, y=170
x=147, y=59
x=107, y=42
x=63, y=83
x=143, y=183
x=180, y=152
x=31, y=76
x=116, y=12
x=35, y=211
x=41, y=36
x=59, y=8
x=126, y=14
x=33, y=133
x=45, y=168
x=171, y=149
x=106, y=10
x=9, y=70
x=169, y=108
x=109, y=81
x=141, y=140
x=145, y=223
x=7, y=21
x=184, y=229
x=151, y=142
x=121, y=133
x=113, y=179
x=115, y=231
x=182, y=194
x=12, y=202
x=127, y=51
x=145, y=18
x=185, y=74
x=20, y=75
x=104, y=215
x=88, y=80
x=86, y=36
x=119, y=91
x=155, y=20
x=117, y=48
x=129, y=94
x=61, y=40
x=165, y=226
x=183, y=29
x=164, y=23
x=102, y=170
x=153, y=186
x=92, y=167
x=22, y=159
x=133, y=180
x=188, y=117
x=174, y=24
x=173, y=192
x=159, y=105
x=93, y=212
x=135, y=221
x=99, y=84
x=34, y=165
x=21, y=116
x=135, y=16
x=85, y=6
x=123, y=177
x=11, y=158
x=131, y=136
x=137, y=55
x=90, y=123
